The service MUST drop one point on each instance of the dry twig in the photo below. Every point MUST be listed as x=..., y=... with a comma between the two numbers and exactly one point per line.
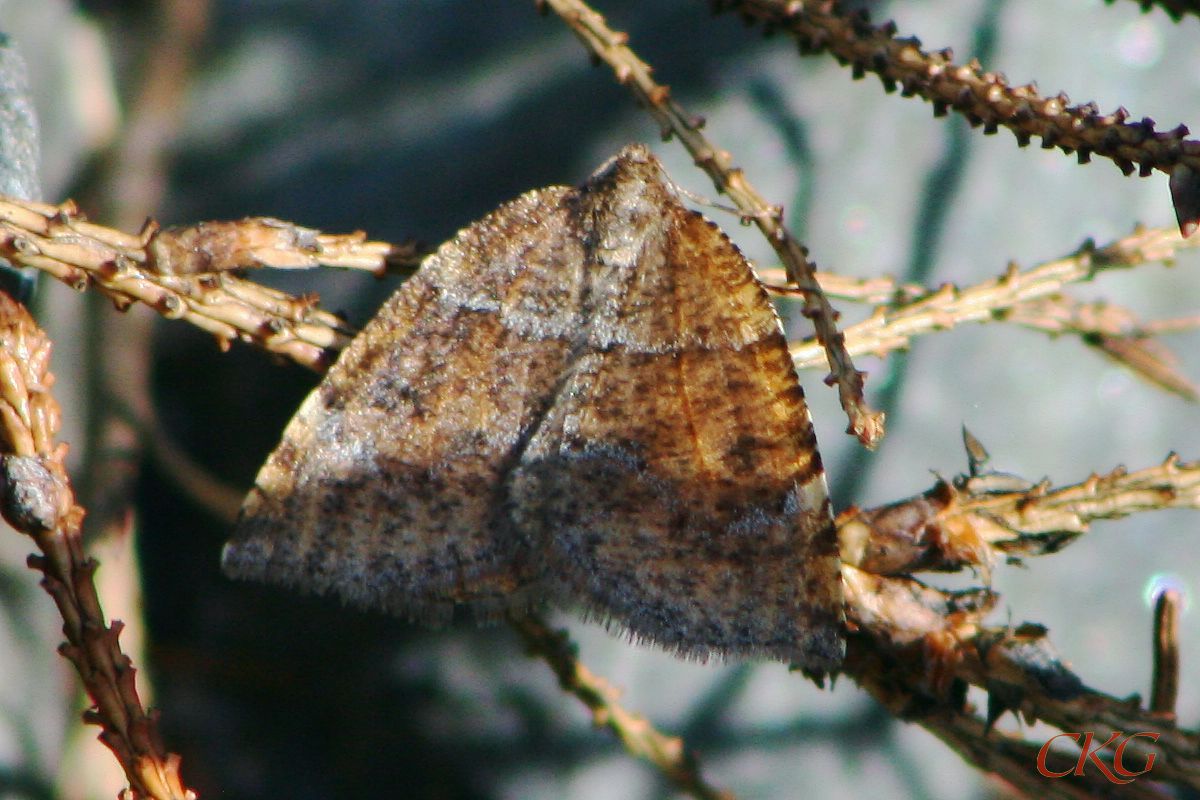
x=162, y=268
x=915, y=644
x=1010, y=758
x=36, y=499
x=1030, y=298
x=610, y=47
x=972, y=520
x=917, y=648
x=639, y=737
x=983, y=98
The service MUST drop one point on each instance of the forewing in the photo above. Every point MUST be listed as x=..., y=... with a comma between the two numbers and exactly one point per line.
x=387, y=488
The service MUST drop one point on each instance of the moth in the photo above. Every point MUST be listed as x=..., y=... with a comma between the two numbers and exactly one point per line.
x=584, y=399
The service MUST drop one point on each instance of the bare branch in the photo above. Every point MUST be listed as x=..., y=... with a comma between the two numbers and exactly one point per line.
x=975, y=519
x=37, y=500
x=920, y=674
x=1015, y=761
x=1029, y=298
x=162, y=269
x=883, y=289
x=639, y=737
x=983, y=98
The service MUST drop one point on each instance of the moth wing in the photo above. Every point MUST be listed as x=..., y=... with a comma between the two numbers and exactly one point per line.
x=387, y=488
x=676, y=480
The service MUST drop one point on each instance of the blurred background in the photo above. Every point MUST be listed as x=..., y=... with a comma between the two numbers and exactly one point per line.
x=410, y=120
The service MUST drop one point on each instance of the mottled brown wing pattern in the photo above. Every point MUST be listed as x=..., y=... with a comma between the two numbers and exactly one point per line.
x=387, y=486
x=675, y=480
x=585, y=398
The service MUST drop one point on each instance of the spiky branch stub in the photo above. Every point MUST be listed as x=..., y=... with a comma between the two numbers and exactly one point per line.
x=36, y=499
x=986, y=98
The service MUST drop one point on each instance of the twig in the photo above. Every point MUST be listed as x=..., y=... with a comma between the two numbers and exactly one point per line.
x=1143, y=246
x=1043, y=520
x=37, y=500
x=200, y=485
x=891, y=327
x=882, y=289
x=639, y=737
x=1015, y=761
x=158, y=267
x=1157, y=327
x=919, y=670
x=1024, y=675
x=975, y=519
x=1113, y=329
x=1165, y=687
x=610, y=47
x=1116, y=333
x=983, y=98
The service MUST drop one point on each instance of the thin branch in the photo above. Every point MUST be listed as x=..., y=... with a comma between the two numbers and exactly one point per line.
x=159, y=267
x=892, y=326
x=882, y=289
x=199, y=484
x=973, y=520
x=639, y=737
x=1043, y=520
x=1158, y=327
x=37, y=500
x=1015, y=761
x=1112, y=329
x=609, y=47
x=1115, y=332
x=916, y=648
x=1144, y=245
x=983, y=98
x=1023, y=674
